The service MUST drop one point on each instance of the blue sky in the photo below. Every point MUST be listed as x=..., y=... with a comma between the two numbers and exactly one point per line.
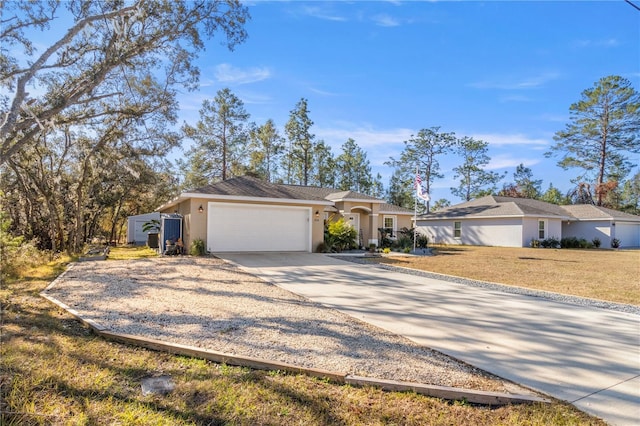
x=379, y=71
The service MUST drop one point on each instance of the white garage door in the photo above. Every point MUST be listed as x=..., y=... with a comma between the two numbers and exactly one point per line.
x=253, y=227
x=628, y=234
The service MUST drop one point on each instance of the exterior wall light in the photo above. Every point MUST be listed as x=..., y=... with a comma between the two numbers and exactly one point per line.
x=200, y=209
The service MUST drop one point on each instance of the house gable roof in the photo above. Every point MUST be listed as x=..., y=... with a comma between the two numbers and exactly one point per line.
x=247, y=186
x=251, y=188
x=591, y=212
x=387, y=208
x=493, y=206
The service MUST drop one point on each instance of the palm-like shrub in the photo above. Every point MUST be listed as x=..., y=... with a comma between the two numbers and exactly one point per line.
x=340, y=236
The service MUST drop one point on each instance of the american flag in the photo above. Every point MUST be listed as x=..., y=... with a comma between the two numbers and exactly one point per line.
x=424, y=196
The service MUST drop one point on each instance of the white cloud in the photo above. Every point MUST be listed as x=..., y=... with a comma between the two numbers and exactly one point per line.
x=385, y=20
x=323, y=92
x=554, y=118
x=508, y=161
x=322, y=13
x=515, y=98
x=505, y=139
x=227, y=73
x=379, y=144
x=606, y=42
x=517, y=84
x=365, y=135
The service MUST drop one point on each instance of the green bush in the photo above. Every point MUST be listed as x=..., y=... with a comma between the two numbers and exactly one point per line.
x=197, y=248
x=573, y=242
x=340, y=236
x=16, y=254
x=550, y=242
x=422, y=241
x=569, y=242
x=583, y=243
x=404, y=242
x=385, y=233
x=596, y=242
x=615, y=243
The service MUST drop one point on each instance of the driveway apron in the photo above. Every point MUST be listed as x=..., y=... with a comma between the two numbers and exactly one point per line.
x=584, y=355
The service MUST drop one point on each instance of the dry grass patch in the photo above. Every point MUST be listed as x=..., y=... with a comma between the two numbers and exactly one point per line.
x=131, y=252
x=54, y=371
x=598, y=274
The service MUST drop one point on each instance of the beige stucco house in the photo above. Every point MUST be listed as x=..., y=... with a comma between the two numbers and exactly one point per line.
x=249, y=214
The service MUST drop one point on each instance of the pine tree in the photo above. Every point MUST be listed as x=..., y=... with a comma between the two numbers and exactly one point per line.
x=604, y=129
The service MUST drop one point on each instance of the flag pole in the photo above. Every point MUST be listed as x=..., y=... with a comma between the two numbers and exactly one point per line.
x=415, y=210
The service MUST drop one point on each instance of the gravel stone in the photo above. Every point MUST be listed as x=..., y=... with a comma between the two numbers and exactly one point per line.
x=208, y=303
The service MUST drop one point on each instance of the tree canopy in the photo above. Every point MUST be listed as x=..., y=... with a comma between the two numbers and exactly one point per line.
x=523, y=185
x=353, y=168
x=85, y=123
x=475, y=180
x=604, y=129
x=221, y=137
x=114, y=59
x=422, y=154
x=299, y=158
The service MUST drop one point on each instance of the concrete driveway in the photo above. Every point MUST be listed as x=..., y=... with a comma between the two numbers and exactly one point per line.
x=587, y=356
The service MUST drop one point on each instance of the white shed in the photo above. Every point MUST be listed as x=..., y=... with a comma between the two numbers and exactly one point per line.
x=135, y=234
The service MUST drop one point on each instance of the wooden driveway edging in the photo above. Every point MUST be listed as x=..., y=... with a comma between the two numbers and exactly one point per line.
x=443, y=392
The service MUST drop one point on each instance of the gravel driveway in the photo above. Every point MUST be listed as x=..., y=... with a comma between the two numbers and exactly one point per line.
x=211, y=304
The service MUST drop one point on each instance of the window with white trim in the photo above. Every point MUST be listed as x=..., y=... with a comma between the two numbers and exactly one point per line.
x=542, y=229
x=390, y=222
x=457, y=229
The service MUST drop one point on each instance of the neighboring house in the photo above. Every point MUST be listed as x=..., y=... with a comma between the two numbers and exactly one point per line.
x=514, y=222
x=603, y=223
x=248, y=214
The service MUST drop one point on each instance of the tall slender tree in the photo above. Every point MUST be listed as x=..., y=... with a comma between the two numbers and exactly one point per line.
x=377, y=187
x=353, y=169
x=266, y=148
x=423, y=152
x=220, y=138
x=299, y=158
x=604, y=129
x=475, y=180
x=324, y=169
x=400, y=190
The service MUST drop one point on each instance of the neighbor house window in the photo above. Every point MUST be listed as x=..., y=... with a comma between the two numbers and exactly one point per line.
x=457, y=229
x=541, y=230
x=389, y=222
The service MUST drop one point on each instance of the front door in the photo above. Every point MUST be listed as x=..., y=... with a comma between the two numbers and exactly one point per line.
x=353, y=219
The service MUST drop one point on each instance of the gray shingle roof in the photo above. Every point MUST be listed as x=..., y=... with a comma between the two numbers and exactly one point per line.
x=392, y=208
x=247, y=186
x=253, y=187
x=494, y=206
x=588, y=211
